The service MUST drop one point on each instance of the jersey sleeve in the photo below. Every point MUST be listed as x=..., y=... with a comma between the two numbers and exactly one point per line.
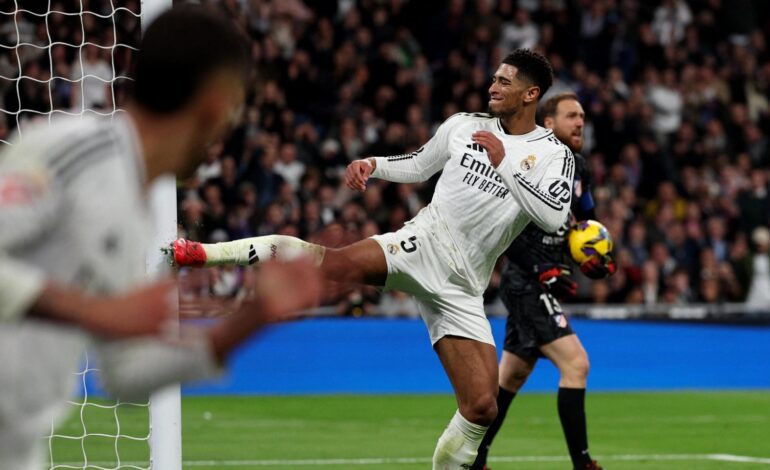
x=582, y=199
x=420, y=165
x=29, y=206
x=547, y=201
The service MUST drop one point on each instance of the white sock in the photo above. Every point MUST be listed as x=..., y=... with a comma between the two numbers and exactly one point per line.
x=256, y=250
x=458, y=446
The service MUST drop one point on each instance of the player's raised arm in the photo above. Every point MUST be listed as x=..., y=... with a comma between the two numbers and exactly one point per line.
x=547, y=202
x=412, y=167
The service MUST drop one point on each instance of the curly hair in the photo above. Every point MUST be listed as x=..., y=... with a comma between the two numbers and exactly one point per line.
x=532, y=67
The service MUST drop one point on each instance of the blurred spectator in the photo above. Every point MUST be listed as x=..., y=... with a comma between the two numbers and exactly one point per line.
x=94, y=75
x=759, y=288
x=676, y=93
x=288, y=167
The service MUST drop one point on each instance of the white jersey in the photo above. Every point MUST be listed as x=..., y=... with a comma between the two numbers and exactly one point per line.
x=72, y=210
x=481, y=209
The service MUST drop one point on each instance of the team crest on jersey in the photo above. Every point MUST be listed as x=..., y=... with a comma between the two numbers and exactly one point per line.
x=392, y=248
x=528, y=163
x=561, y=321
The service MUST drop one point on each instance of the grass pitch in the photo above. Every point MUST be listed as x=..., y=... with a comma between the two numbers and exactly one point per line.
x=682, y=430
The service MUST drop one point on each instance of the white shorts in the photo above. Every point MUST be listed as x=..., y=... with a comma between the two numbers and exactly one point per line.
x=418, y=265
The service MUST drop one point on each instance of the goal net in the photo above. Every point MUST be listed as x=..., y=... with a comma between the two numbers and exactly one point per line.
x=72, y=57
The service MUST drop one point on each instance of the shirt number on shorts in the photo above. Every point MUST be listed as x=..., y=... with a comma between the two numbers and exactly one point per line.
x=551, y=304
x=411, y=247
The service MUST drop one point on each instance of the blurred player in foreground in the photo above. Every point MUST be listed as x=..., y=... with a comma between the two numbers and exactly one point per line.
x=75, y=233
x=500, y=172
x=536, y=278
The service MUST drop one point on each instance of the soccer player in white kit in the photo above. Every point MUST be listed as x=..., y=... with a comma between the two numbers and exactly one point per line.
x=500, y=172
x=74, y=235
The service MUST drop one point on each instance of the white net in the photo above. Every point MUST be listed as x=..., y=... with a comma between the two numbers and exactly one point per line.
x=64, y=56
x=102, y=435
x=72, y=57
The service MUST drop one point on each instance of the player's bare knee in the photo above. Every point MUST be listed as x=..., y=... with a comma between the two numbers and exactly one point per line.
x=577, y=367
x=480, y=410
x=514, y=380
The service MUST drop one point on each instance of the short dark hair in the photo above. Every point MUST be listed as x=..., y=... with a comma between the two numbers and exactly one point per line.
x=179, y=51
x=532, y=67
x=552, y=104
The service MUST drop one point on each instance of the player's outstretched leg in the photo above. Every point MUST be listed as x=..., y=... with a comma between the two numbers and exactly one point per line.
x=514, y=371
x=472, y=368
x=362, y=262
x=244, y=252
x=568, y=355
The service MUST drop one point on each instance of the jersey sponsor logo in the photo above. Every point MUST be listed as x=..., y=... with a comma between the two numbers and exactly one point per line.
x=560, y=190
x=528, y=163
x=478, y=174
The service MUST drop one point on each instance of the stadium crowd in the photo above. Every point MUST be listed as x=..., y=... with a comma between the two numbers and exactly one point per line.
x=677, y=96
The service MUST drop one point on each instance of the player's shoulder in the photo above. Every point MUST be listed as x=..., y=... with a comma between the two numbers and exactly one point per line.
x=485, y=119
x=47, y=142
x=546, y=143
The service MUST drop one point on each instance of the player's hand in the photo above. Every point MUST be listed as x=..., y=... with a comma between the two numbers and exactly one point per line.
x=556, y=279
x=282, y=290
x=493, y=146
x=357, y=174
x=599, y=267
x=142, y=312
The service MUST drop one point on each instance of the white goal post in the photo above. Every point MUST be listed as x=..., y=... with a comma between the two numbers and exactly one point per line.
x=166, y=404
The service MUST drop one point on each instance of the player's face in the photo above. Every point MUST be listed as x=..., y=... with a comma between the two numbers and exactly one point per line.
x=507, y=92
x=567, y=123
x=232, y=93
x=220, y=114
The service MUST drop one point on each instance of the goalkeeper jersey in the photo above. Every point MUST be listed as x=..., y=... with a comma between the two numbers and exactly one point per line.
x=72, y=210
x=534, y=246
x=481, y=209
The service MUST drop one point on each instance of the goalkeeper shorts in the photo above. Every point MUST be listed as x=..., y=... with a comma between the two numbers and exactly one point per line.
x=535, y=318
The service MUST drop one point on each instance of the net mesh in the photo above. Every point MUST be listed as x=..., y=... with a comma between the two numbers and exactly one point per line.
x=72, y=57
x=102, y=435
x=64, y=57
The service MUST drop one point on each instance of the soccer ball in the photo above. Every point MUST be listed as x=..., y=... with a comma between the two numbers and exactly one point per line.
x=588, y=238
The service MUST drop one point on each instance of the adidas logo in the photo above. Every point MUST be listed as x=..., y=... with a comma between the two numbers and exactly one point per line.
x=476, y=147
x=253, y=258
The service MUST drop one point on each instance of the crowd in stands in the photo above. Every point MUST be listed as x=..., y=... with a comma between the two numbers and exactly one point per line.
x=677, y=97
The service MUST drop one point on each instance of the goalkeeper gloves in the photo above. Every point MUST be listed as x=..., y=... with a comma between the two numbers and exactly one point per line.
x=555, y=278
x=599, y=267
